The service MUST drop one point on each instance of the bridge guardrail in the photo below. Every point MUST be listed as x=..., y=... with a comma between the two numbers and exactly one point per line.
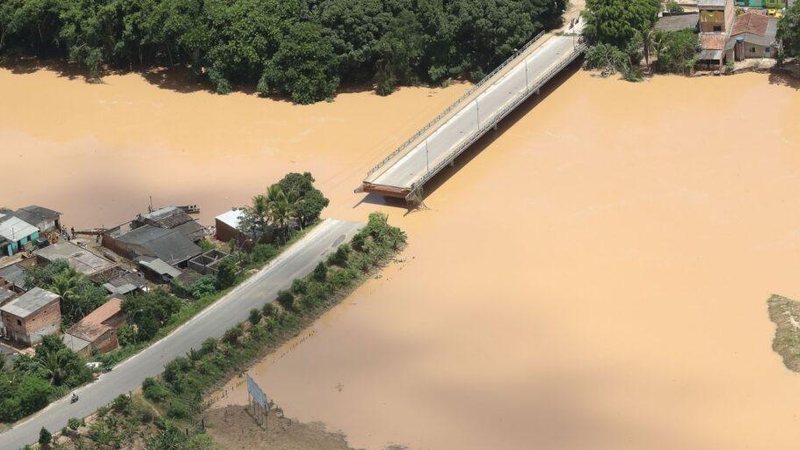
x=452, y=106
x=491, y=123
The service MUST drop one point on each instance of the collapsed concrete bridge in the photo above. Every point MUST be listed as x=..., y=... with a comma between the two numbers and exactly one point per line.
x=405, y=171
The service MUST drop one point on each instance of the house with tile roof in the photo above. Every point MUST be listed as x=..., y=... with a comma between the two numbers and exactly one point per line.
x=754, y=35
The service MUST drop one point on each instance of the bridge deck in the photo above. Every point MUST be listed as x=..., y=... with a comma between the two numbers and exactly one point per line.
x=437, y=144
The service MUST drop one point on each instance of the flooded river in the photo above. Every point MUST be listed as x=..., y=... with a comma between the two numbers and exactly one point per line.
x=595, y=277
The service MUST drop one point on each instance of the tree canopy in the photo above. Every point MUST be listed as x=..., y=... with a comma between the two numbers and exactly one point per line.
x=789, y=31
x=302, y=49
x=617, y=22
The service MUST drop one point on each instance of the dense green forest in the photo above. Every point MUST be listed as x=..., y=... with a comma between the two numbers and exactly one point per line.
x=302, y=49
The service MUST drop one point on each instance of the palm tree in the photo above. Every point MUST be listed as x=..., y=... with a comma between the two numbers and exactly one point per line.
x=65, y=285
x=257, y=216
x=648, y=44
x=281, y=207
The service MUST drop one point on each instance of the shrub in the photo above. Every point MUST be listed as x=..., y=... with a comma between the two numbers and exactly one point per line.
x=177, y=410
x=203, y=286
x=154, y=390
x=299, y=286
x=255, y=316
x=320, y=272
x=233, y=334
x=74, y=423
x=340, y=257
x=122, y=404
x=226, y=272
x=262, y=253
x=45, y=438
x=340, y=279
x=208, y=346
x=286, y=299
x=268, y=310
x=676, y=51
x=358, y=241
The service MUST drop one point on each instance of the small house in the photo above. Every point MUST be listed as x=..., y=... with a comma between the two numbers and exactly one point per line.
x=754, y=35
x=46, y=220
x=98, y=330
x=15, y=234
x=31, y=316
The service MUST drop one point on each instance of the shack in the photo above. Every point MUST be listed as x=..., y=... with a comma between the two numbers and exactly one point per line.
x=16, y=234
x=46, y=220
x=31, y=316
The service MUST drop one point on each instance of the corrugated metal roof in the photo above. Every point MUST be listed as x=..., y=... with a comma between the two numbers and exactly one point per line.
x=14, y=228
x=160, y=267
x=78, y=258
x=29, y=302
x=231, y=218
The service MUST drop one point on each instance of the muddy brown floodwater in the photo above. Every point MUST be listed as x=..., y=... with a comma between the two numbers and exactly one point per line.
x=595, y=277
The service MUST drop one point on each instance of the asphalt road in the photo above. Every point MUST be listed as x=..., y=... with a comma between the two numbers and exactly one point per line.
x=527, y=75
x=296, y=261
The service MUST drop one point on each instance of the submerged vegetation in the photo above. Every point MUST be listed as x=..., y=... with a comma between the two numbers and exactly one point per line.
x=302, y=49
x=785, y=313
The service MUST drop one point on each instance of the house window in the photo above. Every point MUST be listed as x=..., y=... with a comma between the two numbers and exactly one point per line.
x=717, y=28
x=19, y=322
x=752, y=49
x=766, y=51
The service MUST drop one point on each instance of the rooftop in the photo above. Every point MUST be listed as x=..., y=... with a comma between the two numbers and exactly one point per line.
x=29, y=302
x=6, y=295
x=711, y=3
x=36, y=214
x=712, y=41
x=167, y=217
x=14, y=274
x=160, y=267
x=172, y=246
x=92, y=326
x=231, y=218
x=78, y=258
x=751, y=22
x=678, y=22
x=13, y=228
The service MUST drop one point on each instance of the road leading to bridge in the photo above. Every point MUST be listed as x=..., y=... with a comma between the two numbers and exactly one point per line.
x=297, y=261
x=404, y=172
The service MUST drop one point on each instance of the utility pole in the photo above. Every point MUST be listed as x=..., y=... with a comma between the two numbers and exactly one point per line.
x=427, y=160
